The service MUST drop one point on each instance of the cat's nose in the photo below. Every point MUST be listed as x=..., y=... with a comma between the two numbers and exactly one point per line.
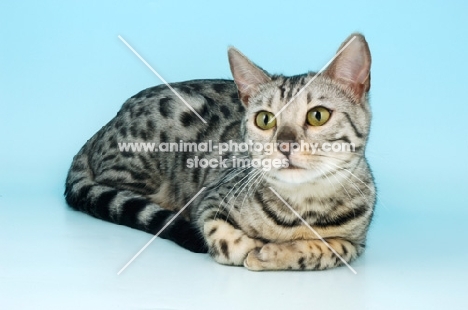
x=286, y=133
x=286, y=136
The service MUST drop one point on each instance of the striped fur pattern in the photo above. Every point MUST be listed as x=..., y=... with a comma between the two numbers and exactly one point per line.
x=237, y=218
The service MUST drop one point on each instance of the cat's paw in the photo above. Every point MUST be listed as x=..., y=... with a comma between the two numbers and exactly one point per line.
x=271, y=256
x=233, y=252
x=227, y=245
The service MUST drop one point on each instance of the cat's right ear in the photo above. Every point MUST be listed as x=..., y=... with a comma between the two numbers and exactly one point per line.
x=247, y=76
x=352, y=66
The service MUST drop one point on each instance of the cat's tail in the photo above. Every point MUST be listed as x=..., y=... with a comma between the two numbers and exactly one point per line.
x=127, y=208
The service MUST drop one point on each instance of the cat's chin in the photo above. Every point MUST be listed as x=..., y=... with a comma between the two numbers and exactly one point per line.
x=294, y=175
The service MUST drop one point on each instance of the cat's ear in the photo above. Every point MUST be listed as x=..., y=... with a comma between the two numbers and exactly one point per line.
x=352, y=66
x=247, y=76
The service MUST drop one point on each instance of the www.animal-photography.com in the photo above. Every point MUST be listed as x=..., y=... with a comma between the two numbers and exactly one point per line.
x=233, y=155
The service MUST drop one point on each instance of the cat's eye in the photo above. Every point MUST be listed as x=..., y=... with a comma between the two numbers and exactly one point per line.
x=318, y=116
x=265, y=120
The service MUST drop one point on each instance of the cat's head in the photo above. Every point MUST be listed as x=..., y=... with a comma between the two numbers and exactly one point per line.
x=329, y=112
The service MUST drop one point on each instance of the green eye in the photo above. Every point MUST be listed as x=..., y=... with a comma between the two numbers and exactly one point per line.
x=318, y=116
x=264, y=120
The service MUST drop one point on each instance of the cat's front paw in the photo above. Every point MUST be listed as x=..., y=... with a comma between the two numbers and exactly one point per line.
x=301, y=255
x=233, y=252
x=270, y=257
x=227, y=245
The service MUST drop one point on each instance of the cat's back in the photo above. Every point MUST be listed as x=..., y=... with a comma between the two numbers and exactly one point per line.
x=212, y=100
x=163, y=115
x=167, y=114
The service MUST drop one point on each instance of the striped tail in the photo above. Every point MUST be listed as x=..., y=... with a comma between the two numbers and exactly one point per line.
x=127, y=208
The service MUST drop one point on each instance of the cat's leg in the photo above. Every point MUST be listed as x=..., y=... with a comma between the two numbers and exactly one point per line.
x=302, y=255
x=227, y=244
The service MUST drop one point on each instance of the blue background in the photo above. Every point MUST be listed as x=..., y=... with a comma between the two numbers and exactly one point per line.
x=64, y=74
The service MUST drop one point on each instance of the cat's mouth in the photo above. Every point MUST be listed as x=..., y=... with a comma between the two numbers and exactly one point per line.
x=293, y=167
x=293, y=174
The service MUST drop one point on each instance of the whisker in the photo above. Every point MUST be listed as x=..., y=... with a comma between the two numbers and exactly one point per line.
x=259, y=177
x=230, y=175
x=253, y=172
x=233, y=187
x=371, y=189
x=334, y=175
x=256, y=173
x=326, y=176
x=342, y=168
x=354, y=185
x=220, y=203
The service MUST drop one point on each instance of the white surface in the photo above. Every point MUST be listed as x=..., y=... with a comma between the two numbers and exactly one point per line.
x=56, y=258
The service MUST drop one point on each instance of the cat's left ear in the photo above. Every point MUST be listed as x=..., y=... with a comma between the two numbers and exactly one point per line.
x=247, y=76
x=352, y=66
